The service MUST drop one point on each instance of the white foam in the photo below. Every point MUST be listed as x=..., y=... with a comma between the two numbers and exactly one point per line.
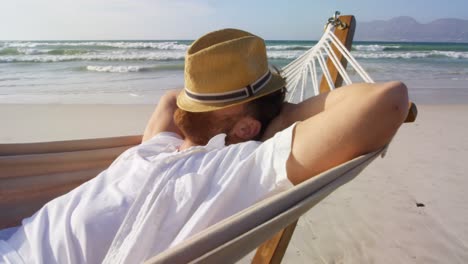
x=451, y=54
x=113, y=68
x=374, y=47
x=284, y=54
x=167, y=45
x=31, y=51
x=288, y=47
x=411, y=55
x=292, y=54
x=109, y=56
x=388, y=55
x=21, y=44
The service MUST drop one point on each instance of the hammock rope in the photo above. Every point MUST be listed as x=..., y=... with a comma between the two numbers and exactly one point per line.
x=302, y=73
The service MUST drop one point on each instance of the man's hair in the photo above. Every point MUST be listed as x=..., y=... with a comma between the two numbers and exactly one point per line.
x=266, y=108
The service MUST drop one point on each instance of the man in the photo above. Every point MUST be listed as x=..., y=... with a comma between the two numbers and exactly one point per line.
x=200, y=161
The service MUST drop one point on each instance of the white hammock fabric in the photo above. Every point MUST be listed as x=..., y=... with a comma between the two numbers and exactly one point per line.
x=299, y=75
x=302, y=74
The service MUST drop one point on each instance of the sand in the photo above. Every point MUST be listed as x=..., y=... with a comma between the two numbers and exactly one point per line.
x=42, y=122
x=373, y=219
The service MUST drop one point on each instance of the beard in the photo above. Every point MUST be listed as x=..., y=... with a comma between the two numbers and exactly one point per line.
x=199, y=128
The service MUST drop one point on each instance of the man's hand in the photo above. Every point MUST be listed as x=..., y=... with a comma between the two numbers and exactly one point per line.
x=162, y=118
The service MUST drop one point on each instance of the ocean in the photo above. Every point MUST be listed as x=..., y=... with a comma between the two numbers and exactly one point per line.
x=138, y=72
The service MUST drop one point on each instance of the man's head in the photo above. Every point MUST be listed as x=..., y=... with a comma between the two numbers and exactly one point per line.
x=240, y=122
x=229, y=88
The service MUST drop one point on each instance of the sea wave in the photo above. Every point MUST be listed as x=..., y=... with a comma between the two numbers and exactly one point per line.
x=451, y=54
x=126, y=56
x=33, y=51
x=32, y=55
x=376, y=47
x=284, y=54
x=155, y=56
x=166, y=45
x=289, y=55
x=412, y=55
x=132, y=68
x=66, y=52
x=9, y=51
x=288, y=47
x=114, y=68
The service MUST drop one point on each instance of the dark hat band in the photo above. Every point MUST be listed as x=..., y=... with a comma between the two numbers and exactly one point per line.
x=242, y=93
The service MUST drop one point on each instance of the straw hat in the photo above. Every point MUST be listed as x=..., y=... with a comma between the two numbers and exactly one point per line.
x=225, y=68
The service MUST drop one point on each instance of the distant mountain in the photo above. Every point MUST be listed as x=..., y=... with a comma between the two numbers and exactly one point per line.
x=408, y=29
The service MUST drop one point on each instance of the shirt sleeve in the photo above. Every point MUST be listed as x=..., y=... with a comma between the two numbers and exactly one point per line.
x=164, y=139
x=165, y=135
x=278, y=149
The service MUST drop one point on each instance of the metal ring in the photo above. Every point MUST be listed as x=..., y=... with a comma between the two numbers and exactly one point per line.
x=336, y=22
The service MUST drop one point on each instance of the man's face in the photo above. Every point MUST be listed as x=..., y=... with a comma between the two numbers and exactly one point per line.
x=199, y=128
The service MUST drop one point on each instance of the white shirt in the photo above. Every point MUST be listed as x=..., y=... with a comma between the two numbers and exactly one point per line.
x=151, y=198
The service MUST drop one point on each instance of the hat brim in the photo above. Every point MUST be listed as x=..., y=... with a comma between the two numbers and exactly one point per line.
x=185, y=103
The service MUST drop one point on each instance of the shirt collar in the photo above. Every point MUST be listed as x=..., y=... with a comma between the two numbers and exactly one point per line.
x=216, y=142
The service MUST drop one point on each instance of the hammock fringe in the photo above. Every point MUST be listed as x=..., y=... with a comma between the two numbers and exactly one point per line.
x=302, y=73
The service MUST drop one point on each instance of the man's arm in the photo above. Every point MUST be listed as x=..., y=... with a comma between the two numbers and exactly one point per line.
x=341, y=125
x=162, y=118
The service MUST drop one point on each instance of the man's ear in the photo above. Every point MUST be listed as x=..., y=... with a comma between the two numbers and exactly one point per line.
x=247, y=128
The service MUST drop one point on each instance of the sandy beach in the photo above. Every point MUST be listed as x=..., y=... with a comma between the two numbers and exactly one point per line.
x=373, y=219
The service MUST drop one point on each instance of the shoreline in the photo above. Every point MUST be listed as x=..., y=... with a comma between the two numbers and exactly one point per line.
x=437, y=91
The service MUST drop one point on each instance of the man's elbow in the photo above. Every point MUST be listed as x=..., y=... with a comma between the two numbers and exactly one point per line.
x=387, y=109
x=393, y=99
x=169, y=98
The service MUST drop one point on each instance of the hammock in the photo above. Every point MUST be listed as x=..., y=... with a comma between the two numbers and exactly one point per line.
x=32, y=174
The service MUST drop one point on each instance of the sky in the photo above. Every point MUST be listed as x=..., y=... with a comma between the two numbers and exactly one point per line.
x=185, y=19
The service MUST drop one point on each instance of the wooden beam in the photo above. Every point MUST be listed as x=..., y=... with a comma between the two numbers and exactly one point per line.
x=272, y=251
x=346, y=37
